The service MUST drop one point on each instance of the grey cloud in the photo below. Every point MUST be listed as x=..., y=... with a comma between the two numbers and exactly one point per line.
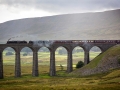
x=64, y=6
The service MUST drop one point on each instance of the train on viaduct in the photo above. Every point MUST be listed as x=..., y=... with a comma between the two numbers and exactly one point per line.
x=52, y=45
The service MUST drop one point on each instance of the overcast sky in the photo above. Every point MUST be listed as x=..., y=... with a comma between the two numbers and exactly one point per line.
x=17, y=9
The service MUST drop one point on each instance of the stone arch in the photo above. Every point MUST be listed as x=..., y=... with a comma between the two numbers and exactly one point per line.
x=9, y=47
x=94, y=51
x=27, y=47
x=78, y=46
x=44, y=59
x=99, y=46
x=77, y=55
x=45, y=47
x=61, y=56
x=9, y=61
x=61, y=46
x=26, y=60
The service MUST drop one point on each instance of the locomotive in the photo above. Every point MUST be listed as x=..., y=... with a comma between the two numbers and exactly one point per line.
x=16, y=42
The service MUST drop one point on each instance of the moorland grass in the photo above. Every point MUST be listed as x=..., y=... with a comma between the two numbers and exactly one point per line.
x=59, y=82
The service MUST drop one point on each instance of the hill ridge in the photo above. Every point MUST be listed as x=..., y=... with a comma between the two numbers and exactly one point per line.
x=84, y=26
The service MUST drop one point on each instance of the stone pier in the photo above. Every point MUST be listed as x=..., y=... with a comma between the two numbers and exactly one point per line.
x=69, y=61
x=52, y=63
x=17, y=64
x=35, y=71
x=1, y=65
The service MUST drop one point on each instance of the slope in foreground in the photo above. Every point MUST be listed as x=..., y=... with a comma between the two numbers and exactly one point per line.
x=106, y=61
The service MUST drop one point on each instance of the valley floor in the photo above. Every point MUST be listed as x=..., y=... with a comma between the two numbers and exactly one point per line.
x=62, y=81
x=57, y=83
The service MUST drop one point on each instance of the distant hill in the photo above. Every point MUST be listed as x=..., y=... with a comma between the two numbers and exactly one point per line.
x=99, y=25
x=105, y=62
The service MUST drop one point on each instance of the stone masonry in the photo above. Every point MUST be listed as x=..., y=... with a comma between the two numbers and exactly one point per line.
x=68, y=46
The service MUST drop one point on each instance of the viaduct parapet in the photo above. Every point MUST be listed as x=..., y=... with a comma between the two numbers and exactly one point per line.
x=67, y=44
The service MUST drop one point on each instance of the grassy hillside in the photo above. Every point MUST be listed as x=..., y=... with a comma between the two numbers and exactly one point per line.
x=104, y=62
x=100, y=25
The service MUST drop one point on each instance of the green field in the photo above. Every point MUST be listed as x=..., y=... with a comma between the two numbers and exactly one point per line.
x=43, y=60
x=62, y=80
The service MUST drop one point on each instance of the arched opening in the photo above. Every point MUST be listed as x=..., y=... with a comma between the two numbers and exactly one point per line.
x=61, y=60
x=26, y=56
x=77, y=55
x=9, y=62
x=94, y=51
x=44, y=60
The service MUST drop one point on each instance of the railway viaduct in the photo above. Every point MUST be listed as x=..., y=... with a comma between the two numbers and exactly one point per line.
x=86, y=45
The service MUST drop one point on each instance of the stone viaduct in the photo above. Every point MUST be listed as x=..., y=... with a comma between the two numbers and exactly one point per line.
x=86, y=45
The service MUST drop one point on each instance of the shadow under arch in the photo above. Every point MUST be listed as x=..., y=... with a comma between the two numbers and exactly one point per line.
x=94, y=52
x=44, y=60
x=61, y=56
x=77, y=55
x=26, y=58
x=8, y=54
